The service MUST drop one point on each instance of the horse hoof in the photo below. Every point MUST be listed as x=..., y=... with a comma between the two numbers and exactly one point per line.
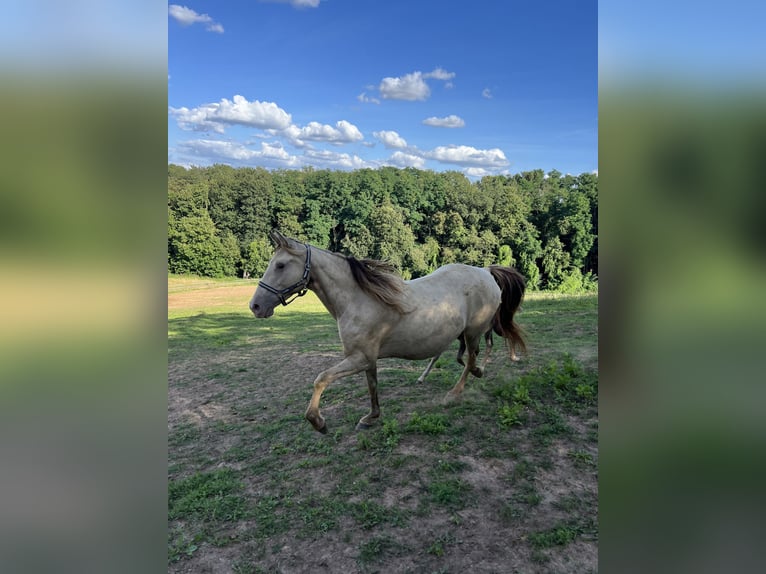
x=450, y=398
x=478, y=372
x=323, y=430
x=360, y=426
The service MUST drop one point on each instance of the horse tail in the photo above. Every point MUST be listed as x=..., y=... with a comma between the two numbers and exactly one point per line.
x=512, y=287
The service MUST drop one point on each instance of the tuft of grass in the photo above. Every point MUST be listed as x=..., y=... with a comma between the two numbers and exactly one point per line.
x=511, y=415
x=437, y=548
x=559, y=535
x=212, y=496
x=375, y=547
x=432, y=423
x=449, y=492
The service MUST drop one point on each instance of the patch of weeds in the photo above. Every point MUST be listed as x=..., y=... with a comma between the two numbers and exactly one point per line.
x=438, y=546
x=237, y=454
x=511, y=415
x=523, y=470
x=565, y=381
x=212, y=496
x=390, y=432
x=451, y=492
x=450, y=466
x=582, y=459
x=511, y=513
x=268, y=521
x=553, y=425
x=179, y=546
x=184, y=434
x=363, y=441
x=450, y=444
x=370, y=514
x=432, y=423
x=375, y=547
x=320, y=515
x=559, y=535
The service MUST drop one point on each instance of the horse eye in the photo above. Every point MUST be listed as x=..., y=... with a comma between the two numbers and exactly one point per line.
x=280, y=265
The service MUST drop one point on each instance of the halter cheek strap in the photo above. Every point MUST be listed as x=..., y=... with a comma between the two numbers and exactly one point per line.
x=298, y=289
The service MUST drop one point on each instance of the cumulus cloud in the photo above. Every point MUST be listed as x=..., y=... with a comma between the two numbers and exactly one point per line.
x=344, y=132
x=365, y=99
x=297, y=3
x=330, y=159
x=270, y=154
x=486, y=93
x=186, y=17
x=401, y=159
x=411, y=87
x=451, y=121
x=468, y=156
x=239, y=111
x=440, y=74
x=391, y=139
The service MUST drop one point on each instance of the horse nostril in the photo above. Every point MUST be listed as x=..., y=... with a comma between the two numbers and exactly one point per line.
x=255, y=306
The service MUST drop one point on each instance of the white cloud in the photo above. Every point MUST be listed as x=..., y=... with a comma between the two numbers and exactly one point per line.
x=468, y=156
x=486, y=93
x=412, y=87
x=401, y=159
x=366, y=99
x=451, y=121
x=391, y=139
x=336, y=160
x=440, y=74
x=186, y=17
x=216, y=116
x=344, y=132
x=297, y=3
x=477, y=172
x=227, y=150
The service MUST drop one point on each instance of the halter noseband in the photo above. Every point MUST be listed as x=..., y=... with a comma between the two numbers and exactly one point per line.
x=299, y=289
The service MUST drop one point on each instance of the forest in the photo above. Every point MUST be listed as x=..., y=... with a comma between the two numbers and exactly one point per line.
x=544, y=224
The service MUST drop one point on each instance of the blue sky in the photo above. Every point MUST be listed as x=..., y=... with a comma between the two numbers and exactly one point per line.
x=484, y=87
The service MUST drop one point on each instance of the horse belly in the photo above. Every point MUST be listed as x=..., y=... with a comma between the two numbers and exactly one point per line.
x=424, y=334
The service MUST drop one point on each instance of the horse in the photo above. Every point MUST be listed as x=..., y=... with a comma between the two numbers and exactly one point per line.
x=380, y=315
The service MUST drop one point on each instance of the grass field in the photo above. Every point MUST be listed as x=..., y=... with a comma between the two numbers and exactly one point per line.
x=504, y=480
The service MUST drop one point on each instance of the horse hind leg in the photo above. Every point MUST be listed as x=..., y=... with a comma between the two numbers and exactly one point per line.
x=461, y=350
x=430, y=366
x=473, y=348
x=478, y=372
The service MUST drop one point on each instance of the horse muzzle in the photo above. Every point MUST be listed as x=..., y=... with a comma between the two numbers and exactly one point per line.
x=261, y=311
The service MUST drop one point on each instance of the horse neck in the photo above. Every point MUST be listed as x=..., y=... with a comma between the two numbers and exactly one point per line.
x=331, y=280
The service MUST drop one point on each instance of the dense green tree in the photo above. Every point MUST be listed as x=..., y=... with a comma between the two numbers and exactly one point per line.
x=194, y=246
x=546, y=225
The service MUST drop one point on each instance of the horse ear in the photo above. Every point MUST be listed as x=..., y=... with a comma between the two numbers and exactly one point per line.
x=276, y=238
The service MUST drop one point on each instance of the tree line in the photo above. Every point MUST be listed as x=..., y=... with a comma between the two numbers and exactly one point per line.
x=545, y=225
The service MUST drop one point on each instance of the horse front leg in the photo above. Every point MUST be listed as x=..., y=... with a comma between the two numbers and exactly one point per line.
x=348, y=366
x=372, y=385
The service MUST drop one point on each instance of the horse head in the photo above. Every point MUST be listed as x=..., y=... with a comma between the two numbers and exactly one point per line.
x=287, y=275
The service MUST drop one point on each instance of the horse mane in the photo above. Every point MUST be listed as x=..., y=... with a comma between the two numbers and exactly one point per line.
x=378, y=279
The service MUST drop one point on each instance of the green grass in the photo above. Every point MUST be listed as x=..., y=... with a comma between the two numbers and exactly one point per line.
x=248, y=476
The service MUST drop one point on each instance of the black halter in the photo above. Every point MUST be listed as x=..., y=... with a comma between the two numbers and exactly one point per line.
x=299, y=289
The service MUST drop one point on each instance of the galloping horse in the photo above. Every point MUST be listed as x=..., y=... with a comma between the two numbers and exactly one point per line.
x=380, y=315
